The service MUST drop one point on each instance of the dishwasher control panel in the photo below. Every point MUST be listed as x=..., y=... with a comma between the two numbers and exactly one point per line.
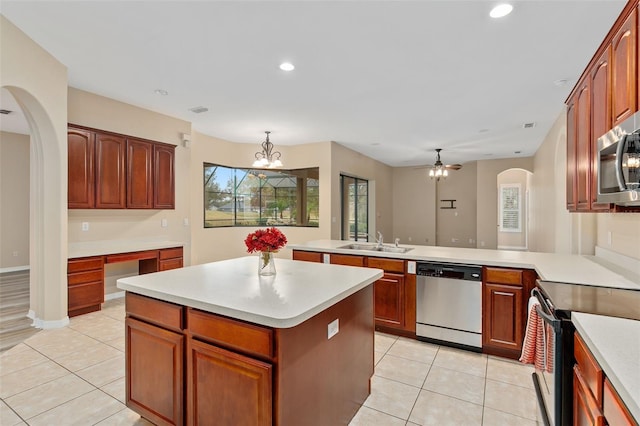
x=450, y=270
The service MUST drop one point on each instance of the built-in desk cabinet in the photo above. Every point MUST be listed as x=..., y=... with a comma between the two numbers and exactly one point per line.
x=85, y=275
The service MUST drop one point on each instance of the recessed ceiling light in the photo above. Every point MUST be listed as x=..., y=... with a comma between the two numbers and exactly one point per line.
x=287, y=66
x=501, y=10
x=199, y=109
x=161, y=92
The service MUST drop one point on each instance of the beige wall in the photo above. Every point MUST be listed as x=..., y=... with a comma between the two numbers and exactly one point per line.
x=486, y=184
x=623, y=230
x=457, y=227
x=38, y=81
x=414, y=208
x=14, y=200
x=380, y=177
x=88, y=109
x=210, y=244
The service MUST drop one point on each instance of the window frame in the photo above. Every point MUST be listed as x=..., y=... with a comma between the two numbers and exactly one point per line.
x=503, y=209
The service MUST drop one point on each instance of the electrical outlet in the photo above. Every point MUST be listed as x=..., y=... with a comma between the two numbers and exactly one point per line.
x=409, y=239
x=609, y=237
x=164, y=223
x=185, y=221
x=411, y=267
x=481, y=243
x=326, y=258
x=15, y=254
x=85, y=226
x=333, y=328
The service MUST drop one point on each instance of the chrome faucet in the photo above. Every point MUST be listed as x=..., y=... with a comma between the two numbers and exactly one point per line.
x=379, y=240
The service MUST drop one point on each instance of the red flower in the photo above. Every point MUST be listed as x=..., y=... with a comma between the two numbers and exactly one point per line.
x=270, y=239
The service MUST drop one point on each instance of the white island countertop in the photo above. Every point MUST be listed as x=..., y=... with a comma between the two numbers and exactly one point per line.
x=561, y=268
x=297, y=292
x=615, y=343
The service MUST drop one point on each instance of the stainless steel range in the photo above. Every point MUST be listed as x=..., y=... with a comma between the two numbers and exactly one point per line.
x=449, y=304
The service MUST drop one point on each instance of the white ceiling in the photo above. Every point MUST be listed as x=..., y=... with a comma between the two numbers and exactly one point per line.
x=391, y=79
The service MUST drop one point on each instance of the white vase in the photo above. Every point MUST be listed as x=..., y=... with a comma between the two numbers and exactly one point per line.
x=266, y=263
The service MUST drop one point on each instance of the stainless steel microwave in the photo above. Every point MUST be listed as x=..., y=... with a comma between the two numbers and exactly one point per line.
x=619, y=164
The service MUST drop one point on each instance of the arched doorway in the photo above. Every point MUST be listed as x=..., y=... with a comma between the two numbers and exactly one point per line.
x=513, y=209
x=47, y=216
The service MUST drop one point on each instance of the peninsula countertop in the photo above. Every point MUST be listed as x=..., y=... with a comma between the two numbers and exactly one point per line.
x=615, y=344
x=106, y=247
x=560, y=268
x=297, y=292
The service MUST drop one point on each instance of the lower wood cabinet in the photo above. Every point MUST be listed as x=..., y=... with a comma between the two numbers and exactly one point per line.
x=251, y=378
x=505, y=294
x=307, y=256
x=85, y=285
x=595, y=400
x=155, y=358
x=170, y=258
x=389, y=300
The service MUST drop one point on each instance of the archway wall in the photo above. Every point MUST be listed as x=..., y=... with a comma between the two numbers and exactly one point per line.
x=38, y=81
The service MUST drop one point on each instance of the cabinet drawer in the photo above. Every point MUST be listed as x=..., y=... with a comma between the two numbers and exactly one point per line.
x=166, y=265
x=229, y=333
x=84, y=277
x=136, y=255
x=86, y=294
x=390, y=265
x=170, y=253
x=307, y=256
x=614, y=409
x=586, y=410
x=85, y=264
x=345, y=259
x=155, y=311
x=503, y=276
x=591, y=371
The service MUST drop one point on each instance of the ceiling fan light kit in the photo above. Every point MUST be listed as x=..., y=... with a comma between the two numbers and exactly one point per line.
x=439, y=170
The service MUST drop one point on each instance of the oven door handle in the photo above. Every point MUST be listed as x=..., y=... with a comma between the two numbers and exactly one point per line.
x=549, y=319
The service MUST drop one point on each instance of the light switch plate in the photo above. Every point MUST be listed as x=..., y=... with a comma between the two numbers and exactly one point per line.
x=333, y=328
x=411, y=267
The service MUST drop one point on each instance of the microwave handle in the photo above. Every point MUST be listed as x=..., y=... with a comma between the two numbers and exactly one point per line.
x=619, y=153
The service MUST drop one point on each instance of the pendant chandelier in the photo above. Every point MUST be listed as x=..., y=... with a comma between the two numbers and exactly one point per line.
x=267, y=158
x=439, y=170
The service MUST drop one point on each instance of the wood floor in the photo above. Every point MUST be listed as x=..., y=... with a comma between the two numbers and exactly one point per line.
x=14, y=306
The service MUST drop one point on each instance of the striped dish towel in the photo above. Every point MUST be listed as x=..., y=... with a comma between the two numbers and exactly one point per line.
x=533, y=348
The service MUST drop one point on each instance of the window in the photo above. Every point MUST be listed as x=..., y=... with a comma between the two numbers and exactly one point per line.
x=355, y=211
x=256, y=197
x=510, y=208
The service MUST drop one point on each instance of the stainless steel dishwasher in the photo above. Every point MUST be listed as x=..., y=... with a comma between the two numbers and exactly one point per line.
x=449, y=304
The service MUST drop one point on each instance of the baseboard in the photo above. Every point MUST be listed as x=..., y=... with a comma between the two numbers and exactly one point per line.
x=116, y=295
x=14, y=269
x=38, y=323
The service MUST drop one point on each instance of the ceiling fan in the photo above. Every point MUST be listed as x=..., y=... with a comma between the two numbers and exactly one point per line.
x=439, y=170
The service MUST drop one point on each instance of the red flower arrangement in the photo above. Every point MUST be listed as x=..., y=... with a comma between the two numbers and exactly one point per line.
x=265, y=240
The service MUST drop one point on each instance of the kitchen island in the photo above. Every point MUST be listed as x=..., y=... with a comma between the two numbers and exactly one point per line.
x=216, y=343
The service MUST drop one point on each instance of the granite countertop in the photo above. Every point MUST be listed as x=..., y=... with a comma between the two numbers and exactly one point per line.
x=233, y=288
x=561, y=268
x=104, y=247
x=615, y=344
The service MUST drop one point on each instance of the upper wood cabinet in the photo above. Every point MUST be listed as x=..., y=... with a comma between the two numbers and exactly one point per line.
x=139, y=174
x=624, y=66
x=605, y=95
x=81, y=172
x=110, y=171
x=164, y=176
x=583, y=147
x=600, y=80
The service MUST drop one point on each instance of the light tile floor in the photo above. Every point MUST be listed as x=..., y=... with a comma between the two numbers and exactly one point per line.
x=75, y=376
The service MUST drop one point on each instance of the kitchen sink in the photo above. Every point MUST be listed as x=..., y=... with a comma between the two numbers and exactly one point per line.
x=375, y=247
